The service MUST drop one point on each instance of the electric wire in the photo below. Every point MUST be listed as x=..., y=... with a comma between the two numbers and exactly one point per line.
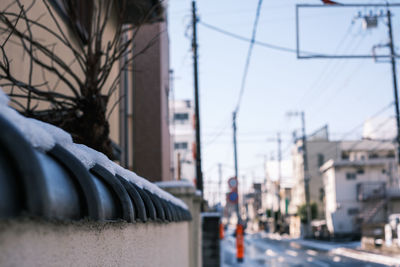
x=245, y=39
x=339, y=89
x=330, y=75
x=327, y=65
x=249, y=53
x=354, y=129
x=337, y=68
x=357, y=143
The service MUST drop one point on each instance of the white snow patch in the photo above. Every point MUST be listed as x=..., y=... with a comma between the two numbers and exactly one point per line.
x=182, y=183
x=366, y=256
x=44, y=136
x=3, y=98
x=90, y=157
x=37, y=136
x=270, y=253
x=60, y=136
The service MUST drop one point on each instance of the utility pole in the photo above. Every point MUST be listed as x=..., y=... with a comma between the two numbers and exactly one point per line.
x=370, y=21
x=265, y=157
x=179, y=166
x=199, y=174
x=220, y=183
x=236, y=162
x=306, y=175
x=279, y=140
x=265, y=191
x=239, y=226
x=396, y=97
x=279, y=172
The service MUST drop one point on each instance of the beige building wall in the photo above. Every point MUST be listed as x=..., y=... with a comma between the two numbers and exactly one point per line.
x=37, y=243
x=145, y=107
x=20, y=63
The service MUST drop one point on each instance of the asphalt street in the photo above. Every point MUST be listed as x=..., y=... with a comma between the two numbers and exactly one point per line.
x=261, y=251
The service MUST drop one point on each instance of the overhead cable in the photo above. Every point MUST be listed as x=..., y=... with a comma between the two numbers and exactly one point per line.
x=245, y=39
x=247, y=64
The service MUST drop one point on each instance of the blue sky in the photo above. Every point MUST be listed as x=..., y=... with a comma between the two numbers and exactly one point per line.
x=340, y=93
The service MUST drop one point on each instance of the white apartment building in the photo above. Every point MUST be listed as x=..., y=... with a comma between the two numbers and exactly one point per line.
x=319, y=150
x=359, y=185
x=183, y=139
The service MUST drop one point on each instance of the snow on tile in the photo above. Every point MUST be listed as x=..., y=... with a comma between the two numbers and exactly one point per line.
x=181, y=183
x=44, y=136
x=36, y=135
x=3, y=98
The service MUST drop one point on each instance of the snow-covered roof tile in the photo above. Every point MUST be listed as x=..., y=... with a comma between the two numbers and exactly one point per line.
x=45, y=137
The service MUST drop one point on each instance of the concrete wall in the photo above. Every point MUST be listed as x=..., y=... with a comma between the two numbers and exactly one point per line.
x=38, y=243
x=186, y=191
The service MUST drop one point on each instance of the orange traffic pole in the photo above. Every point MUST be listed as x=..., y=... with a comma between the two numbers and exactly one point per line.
x=221, y=230
x=239, y=243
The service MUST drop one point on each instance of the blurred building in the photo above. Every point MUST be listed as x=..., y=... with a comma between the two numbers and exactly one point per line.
x=253, y=206
x=361, y=186
x=183, y=139
x=285, y=197
x=319, y=150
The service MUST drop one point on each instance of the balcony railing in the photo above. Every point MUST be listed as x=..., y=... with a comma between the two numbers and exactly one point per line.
x=371, y=191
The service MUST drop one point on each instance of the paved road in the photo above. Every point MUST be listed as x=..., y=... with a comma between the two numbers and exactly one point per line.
x=268, y=252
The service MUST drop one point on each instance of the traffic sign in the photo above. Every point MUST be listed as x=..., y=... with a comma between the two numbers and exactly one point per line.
x=232, y=182
x=233, y=197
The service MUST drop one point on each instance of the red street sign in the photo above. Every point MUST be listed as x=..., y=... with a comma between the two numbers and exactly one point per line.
x=232, y=182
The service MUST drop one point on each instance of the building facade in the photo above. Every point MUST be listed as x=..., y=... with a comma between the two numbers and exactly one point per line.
x=183, y=139
x=319, y=150
x=358, y=186
x=148, y=137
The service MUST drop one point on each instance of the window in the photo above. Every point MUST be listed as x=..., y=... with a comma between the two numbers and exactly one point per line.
x=181, y=117
x=390, y=154
x=360, y=171
x=352, y=211
x=350, y=176
x=345, y=155
x=373, y=156
x=321, y=160
x=181, y=145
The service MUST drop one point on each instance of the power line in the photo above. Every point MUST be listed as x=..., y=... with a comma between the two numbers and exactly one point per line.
x=357, y=143
x=334, y=72
x=327, y=64
x=242, y=38
x=340, y=88
x=361, y=124
x=247, y=64
x=346, y=134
